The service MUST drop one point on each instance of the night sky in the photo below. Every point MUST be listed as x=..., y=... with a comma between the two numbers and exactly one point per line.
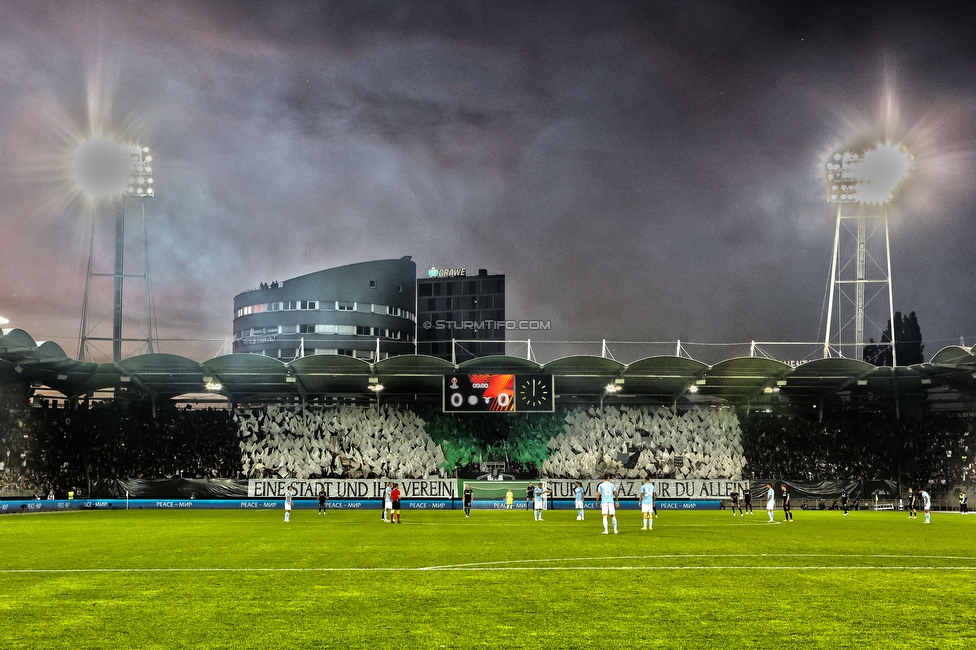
x=640, y=171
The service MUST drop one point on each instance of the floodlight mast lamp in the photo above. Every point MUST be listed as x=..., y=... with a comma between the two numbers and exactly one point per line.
x=109, y=170
x=868, y=181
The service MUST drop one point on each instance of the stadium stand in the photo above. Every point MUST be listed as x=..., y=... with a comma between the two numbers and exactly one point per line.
x=634, y=442
x=83, y=449
x=349, y=442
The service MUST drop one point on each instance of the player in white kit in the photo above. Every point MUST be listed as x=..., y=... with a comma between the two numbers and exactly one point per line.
x=578, y=495
x=289, y=495
x=387, y=503
x=770, y=501
x=926, y=506
x=539, y=501
x=646, y=498
x=607, y=496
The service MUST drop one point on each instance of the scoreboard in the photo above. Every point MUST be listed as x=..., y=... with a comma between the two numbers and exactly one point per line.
x=503, y=393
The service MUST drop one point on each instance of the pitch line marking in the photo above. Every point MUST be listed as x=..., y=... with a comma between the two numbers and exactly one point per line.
x=495, y=569
x=888, y=556
x=522, y=565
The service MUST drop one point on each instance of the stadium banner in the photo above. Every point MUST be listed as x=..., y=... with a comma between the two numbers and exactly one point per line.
x=61, y=505
x=663, y=488
x=626, y=488
x=590, y=504
x=411, y=489
x=170, y=488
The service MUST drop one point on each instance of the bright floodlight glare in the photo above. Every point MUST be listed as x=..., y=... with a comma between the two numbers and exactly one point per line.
x=104, y=167
x=872, y=176
x=3, y=321
x=882, y=171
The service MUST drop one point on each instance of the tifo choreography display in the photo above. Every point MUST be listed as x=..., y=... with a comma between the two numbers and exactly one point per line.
x=384, y=441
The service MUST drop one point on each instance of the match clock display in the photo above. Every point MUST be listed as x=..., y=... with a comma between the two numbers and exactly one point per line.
x=503, y=393
x=533, y=393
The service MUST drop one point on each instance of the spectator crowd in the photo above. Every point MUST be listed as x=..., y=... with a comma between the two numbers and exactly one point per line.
x=79, y=449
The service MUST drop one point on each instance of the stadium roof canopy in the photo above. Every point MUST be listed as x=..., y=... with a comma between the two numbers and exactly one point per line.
x=948, y=380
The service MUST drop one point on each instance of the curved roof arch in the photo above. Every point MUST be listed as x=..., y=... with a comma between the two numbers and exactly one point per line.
x=815, y=380
x=164, y=374
x=664, y=378
x=232, y=363
x=17, y=340
x=583, y=374
x=413, y=363
x=954, y=355
x=660, y=365
x=322, y=374
x=742, y=378
x=50, y=350
x=413, y=374
x=250, y=376
x=332, y=363
x=500, y=363
x=832, y=367
x=585, y=364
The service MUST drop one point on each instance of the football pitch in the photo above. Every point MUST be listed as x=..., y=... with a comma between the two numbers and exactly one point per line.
x=246, y=579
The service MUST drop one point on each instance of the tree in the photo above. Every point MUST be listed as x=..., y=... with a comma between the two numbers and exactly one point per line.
x=908, y=343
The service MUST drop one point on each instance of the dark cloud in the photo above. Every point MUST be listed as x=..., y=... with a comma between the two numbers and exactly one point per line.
x=639, y=170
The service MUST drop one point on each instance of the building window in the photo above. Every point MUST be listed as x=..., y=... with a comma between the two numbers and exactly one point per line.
x=399, y=288
x=306, y=329
x=372, y=284
x=345, y=306
x=424, y=290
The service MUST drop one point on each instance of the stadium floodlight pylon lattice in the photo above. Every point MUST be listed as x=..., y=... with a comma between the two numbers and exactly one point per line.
x=110, y=171
x=861, y=184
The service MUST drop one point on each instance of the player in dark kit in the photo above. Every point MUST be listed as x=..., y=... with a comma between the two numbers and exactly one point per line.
x=747, y=497
x=912, y=512
x=734, y=495
x=787, y=509
x=323, y=501
x=843, y=501
x=529, y=496
x=466, y=499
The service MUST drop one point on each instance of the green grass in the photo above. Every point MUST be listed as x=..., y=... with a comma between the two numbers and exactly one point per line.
x=231, y=579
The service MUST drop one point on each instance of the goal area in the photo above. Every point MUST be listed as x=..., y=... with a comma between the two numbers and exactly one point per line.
x=492, y=495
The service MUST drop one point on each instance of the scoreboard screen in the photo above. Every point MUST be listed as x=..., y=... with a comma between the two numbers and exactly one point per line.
x=503, y=393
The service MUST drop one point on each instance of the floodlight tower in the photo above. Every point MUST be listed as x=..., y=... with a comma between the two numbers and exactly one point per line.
x=110, y=171
x=861, y=184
